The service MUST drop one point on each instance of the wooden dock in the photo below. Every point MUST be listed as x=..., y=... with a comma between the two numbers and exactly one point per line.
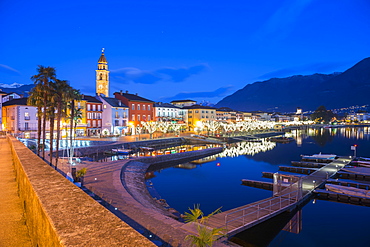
x=333, y=196
x=239, y=219
x=307, y=164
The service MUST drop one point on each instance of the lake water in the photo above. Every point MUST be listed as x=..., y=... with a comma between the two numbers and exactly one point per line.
x=218, y=184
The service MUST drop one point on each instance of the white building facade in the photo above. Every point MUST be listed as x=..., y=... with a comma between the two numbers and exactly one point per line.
x=115, y=116
x=20, y=119
x=167, y=112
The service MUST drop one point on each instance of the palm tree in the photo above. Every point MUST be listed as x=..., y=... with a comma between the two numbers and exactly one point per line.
x=51, y=107
x=36, y=99
x=75, y=95
x=206, y=235
x=45, y=76
x=62, y=93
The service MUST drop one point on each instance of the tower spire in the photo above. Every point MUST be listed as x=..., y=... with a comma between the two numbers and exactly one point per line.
x=102, y=76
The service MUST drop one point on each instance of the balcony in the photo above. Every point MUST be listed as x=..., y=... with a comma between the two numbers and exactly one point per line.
x=27, y=118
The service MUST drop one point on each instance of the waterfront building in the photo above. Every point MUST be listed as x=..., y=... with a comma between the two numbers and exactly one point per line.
x=243, y=116
x=226, y=114
x=199, y=113
x=358, y=117
x=261, y=116
x=114, y=116
x=102, y=76
x=10, y=96
x=1, y=106
x=140, y=109
x=94, y=110
x=167, y=112
x=20, y=119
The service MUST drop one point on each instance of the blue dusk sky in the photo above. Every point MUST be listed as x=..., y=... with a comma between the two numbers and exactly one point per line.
x=170, y=50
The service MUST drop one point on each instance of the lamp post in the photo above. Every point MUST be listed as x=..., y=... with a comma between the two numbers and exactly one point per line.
x=354, y=147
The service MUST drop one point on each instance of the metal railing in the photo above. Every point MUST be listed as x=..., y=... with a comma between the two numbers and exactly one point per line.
x=262, y=209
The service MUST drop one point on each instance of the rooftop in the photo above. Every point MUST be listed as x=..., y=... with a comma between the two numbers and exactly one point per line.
x=133, y=97
x=21, y=101
x=199, y=107
x=114, y=102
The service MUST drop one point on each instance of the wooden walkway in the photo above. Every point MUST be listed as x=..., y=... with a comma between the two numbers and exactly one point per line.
x=239, y=219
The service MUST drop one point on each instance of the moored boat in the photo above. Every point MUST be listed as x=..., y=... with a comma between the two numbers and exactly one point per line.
x=122, y=151
x=319, y=156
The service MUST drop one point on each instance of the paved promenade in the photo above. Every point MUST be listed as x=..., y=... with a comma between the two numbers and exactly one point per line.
x=13, y=230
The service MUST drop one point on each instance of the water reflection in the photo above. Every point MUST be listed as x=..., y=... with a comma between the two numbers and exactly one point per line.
x=262, y=234
x=247, y=148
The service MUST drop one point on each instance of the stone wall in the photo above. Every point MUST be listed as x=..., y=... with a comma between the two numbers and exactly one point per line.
x=58, y=213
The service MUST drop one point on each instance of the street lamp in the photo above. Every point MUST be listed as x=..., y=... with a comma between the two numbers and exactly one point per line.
x=354, y=147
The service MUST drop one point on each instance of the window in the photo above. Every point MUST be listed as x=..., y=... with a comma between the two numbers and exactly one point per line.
x=138, y=107
x=26, y=116
x=190, y=111
x=133, y=117
x=124, y=115
x=99, y=123
x=133, y=107
x=99, y=107
x=138, y=117
x=206, y=111
x=116, y=122
x=196, y=111
x=148, y=107
x=26, y=126
x=94, y=123
x=116, y=115
x=148, y=117
x=202, y=111
x=105, y=106
x=144, y=118
x=190, y=116
x=88, y=123
x=93, y=107
x=88, y=107
x=144, y=107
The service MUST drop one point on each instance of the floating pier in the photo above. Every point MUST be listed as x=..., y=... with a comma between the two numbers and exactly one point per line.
x=300, y=170
x=333, y=196
x=258, y=184
x=242, y=218
x=307, y=164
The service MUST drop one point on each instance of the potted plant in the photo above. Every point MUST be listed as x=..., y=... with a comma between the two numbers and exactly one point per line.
x=80, y=175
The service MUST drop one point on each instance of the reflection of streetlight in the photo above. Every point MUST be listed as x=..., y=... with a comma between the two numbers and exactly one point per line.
x=131, y=124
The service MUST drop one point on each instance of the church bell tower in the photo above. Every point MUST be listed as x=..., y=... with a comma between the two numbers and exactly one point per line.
x=102, y=76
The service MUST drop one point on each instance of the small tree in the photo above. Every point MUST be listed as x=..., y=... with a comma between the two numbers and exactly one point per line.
x=322, y=115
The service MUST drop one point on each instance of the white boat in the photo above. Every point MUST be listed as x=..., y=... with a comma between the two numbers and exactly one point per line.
x=348, y=190
x=319, y=156
x=121, y=151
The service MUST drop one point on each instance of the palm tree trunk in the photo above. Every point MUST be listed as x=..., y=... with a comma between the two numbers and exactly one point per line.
x=52, y=118
x=44, y=126
x=71, y=130
x=38, y=130
x=59, y=116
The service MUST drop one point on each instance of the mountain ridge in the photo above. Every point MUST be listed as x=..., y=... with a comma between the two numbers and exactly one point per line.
x=336, y=90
